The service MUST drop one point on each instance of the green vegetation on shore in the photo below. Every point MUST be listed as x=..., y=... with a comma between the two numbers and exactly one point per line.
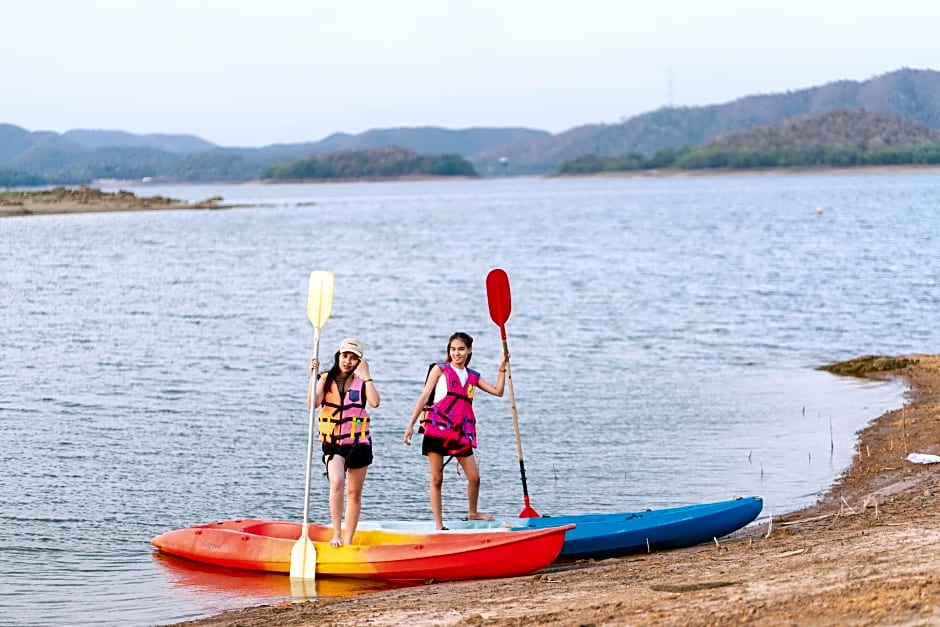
x=370, y=164
x=838, y=138
x=702, y=158
x=15, y=178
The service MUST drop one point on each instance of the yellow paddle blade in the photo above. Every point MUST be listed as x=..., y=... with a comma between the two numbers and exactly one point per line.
x=303, y=558
x=304, y=589
x=320, y=297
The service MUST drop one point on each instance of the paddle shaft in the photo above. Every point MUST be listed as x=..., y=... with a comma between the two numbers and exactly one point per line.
x=499, y=300
x=303, y=555
x=515, y=419
x=313, y=396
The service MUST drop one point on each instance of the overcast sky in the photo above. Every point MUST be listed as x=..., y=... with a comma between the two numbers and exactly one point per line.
x=241, y=73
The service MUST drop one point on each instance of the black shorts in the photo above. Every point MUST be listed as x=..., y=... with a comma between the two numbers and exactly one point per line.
x=356, y=456
x=432, y=444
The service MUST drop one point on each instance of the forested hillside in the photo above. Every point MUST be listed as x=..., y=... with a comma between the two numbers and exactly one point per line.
x=906, y=93
x=836, y=138
x=80, y=156
x=385, y=163
x=831, y=128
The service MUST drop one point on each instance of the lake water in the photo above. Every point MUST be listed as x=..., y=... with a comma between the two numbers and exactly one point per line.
x=665, y=335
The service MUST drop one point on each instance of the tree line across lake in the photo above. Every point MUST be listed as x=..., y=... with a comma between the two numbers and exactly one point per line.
x=385, y=163
x=399, y=163
x=704, y=158
x=357, y=164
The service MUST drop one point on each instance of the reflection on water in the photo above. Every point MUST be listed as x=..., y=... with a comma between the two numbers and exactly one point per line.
x=238, y=585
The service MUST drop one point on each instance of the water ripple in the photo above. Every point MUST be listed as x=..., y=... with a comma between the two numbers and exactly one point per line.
x=664, y=336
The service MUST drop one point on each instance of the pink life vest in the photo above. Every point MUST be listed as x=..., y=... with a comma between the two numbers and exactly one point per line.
x=451, y=418
x=345, y=421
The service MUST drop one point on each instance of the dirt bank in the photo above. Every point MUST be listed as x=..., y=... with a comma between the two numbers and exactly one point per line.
x=89, y=199
x=866, y=554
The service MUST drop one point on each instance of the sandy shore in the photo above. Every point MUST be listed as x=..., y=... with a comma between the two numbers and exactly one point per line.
x=89, y=199
x=866, y=554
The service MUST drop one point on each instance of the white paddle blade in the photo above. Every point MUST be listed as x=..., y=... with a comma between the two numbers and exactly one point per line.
x=320, y=297
x=303, y=559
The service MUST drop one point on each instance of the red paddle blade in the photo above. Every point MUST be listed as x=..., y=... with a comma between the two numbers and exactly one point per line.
x=528, y=511
x=497, y=293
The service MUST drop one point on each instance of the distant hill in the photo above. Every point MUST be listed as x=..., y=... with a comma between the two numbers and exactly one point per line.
x=906, y=93
x=839, y=138
x=14, y=141
x=430, y=139
x=179, y=144
x=79, y=156
x=84, y=155
x=831, y=128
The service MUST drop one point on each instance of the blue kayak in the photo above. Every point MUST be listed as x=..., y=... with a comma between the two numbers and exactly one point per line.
x=621, y=533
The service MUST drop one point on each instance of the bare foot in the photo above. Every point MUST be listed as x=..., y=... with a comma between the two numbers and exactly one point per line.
x=336, y=542
x=480, y=516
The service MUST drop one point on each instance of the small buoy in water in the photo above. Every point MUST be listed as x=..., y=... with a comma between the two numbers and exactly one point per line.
x=819, y=211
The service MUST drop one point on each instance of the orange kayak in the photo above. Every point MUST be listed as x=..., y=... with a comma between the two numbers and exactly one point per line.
x=265, y=545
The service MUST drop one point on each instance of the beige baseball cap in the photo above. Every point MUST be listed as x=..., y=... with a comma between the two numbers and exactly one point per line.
x=351, y=345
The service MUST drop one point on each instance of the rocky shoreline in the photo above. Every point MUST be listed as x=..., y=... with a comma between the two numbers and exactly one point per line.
x=865, y=554
x=89, y=199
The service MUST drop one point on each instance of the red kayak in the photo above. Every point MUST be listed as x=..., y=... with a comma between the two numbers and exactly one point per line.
x=265, y=545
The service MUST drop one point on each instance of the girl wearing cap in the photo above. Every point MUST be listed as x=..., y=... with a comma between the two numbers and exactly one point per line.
x=342, y=394
x=449, y=425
